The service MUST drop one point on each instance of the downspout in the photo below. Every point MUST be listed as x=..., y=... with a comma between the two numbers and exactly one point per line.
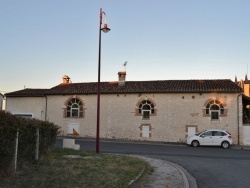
x=46, y=106
x=238, y=118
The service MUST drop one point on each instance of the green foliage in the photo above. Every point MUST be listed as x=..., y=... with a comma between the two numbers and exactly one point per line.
x=9, y=124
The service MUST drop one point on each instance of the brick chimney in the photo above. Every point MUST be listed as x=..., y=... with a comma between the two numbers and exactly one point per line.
x=121, y=78
x=66, y=79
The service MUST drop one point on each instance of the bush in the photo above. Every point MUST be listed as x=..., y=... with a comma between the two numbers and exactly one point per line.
x=9, y=124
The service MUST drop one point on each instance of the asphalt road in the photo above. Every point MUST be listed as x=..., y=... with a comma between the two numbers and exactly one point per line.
x=212, y=167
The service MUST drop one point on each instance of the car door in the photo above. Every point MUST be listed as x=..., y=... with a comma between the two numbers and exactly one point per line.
x=217, y=138
x=206, y=138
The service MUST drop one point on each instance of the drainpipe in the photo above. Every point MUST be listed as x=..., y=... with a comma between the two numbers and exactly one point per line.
x=238, y=118
x=46, y=106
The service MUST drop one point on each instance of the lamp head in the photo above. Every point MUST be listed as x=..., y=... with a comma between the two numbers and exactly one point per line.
x=105, y=28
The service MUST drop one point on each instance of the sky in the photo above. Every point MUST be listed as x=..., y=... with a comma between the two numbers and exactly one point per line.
x=41, y=41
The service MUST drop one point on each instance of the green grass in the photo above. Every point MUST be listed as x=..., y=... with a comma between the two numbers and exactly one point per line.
x=91, y=170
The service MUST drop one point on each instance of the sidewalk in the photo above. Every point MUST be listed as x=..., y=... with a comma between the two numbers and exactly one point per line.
x=166, y=174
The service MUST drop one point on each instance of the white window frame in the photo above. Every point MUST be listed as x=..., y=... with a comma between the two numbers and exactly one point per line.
x=72, y=102
x=220, y=108
x=147, y=103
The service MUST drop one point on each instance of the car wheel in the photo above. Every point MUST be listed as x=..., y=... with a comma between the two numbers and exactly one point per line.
x=225, y=144
x=195, y=143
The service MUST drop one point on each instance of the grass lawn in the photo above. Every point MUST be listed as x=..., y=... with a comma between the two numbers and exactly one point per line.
x=72, y=169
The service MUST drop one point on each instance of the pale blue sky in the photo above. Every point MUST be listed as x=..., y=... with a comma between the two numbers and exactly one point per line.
x=40, y=41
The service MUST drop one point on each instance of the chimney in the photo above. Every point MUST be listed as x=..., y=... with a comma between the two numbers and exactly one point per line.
x=121, y=77
x=66, y=79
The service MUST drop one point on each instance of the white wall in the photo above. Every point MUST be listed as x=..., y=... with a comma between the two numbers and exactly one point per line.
x=27, y=105
x=246, y=135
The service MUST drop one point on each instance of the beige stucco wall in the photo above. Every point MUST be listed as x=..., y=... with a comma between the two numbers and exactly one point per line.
x=174, y=112
x=27, y=105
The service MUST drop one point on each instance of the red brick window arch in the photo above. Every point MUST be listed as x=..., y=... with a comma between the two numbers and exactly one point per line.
x=74, y=108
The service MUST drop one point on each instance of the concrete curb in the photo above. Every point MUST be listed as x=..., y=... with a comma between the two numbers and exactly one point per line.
x=188, y=179
x=137, y=178
x=184, y=177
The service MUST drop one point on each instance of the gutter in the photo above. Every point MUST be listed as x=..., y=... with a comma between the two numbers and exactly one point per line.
x=46, y=106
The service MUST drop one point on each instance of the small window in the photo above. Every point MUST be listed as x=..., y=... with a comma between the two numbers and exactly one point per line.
x=214, y=108
x=75, y=108
x=214, y=115
x=146, y=108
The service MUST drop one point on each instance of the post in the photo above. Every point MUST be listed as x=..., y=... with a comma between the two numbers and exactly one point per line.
x=16, y=150
x=105, y=29
x=238, y=119
x=98, y=87
x=37, y=145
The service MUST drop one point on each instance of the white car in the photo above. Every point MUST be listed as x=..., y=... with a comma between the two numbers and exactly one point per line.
x=211, y=137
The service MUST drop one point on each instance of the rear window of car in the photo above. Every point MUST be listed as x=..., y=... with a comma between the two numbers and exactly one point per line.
x=228, y=133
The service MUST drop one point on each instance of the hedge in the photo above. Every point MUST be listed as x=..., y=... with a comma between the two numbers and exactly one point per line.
x=9, y=124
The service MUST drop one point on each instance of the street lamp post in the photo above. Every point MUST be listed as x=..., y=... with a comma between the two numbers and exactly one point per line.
x=105, y=29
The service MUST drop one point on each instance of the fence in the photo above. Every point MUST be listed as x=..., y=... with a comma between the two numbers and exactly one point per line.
x=36, y=157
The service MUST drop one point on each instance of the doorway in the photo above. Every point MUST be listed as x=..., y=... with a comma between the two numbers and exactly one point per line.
x=191, y=130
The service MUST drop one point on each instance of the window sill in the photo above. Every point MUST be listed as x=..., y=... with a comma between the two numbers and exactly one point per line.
x=215, y=120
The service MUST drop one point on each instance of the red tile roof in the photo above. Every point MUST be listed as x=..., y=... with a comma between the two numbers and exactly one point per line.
x=161, y=86
x=27, y=93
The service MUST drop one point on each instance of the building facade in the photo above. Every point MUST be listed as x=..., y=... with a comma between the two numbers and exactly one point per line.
x=167, y=110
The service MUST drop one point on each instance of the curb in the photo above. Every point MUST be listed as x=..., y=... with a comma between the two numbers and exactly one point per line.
x=139, y=175
x=184, y=177
x=188, y=179
x=136, y=178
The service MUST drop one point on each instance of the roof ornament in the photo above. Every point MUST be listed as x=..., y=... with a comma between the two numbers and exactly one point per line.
x=125, y=65
x=246, y=79
x=235, y=79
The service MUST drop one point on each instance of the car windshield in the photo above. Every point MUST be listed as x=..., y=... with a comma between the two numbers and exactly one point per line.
x=200, y=133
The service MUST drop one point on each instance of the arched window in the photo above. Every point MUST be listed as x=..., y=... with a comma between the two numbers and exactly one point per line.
x=74, y=108
x=146, y=108
x=214, y=108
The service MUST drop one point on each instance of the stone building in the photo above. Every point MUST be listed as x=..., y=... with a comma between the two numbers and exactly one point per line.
x=163, y=110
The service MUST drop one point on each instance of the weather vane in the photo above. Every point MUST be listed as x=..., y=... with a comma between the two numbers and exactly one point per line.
x=125, y=65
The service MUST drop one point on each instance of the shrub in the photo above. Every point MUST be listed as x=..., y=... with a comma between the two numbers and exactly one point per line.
x=9, y=124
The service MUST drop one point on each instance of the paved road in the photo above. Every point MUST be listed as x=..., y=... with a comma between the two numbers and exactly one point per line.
x=212, y=167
